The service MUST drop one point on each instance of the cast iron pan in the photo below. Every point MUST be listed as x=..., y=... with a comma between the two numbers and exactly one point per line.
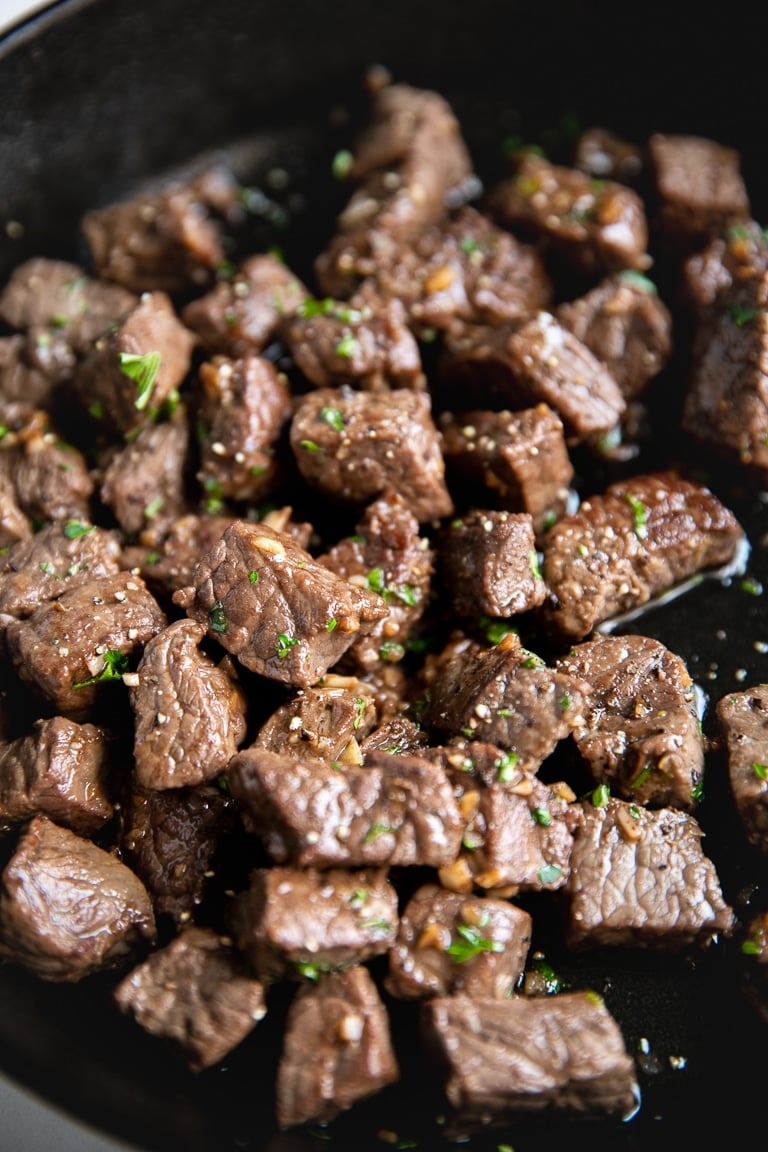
x=98, y=99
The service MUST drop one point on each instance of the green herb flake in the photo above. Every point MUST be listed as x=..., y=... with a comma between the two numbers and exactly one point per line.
x=583, y=550
x=143, y=371
x=47, y=567
x=640, y=514
x=642, y=776
x=533, y=560
x=332, y=624
x=217, y=617
x=751, y=948
x=494, y=630
x=154, y=507
x=553, y=982
x=359, y=711
x=542, y=816
x=549, y=873
x=348, y=346
x=468, y=943
x=4, y=430
x=284, y=645
x=310, y=446
x=253, y=577
x=375, y=831
x=760, y=770
x=341, y=165
x=375, y=581
x=741, y=316
x=114, y=667
x=634, y=811
x=637, y=280
x=752, y=586
x=333, y=417
x=391, y=651
x=600, y=795
x=506, y=767
x=75, y=528
x=565, y=703
x=468, y=244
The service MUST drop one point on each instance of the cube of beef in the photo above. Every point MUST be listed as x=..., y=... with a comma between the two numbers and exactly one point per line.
x=396, y=734
x=397, y=810
x=270, y=604
x=244, y=405
x=388, y=556
x=67, y=645
x=353, y=446
x=506, y=696
x=627, y=326
x=51, y=480
x=501, y=1059
x=323, y=723
x=602, y=154
x=189, y=714
x=640, y=879
x=69, y=908
x=638, y=538
x=167, y=241
x=337, y=1049
x=32, y=367
x=743, y=721
x=296, y=923
x=241, y=315
x=145, y=483
x=755, y=954
x=194, y=992
x=592, y=227
x=736, y=253
x=488, y=564
x=133, y=369
x=171, y=839
x=61, y=769
x=642, y=734
x=448, y=943
x=518, y=461
x=55, y=559
x=528, y=362
x=14, y=525
x=697, y=187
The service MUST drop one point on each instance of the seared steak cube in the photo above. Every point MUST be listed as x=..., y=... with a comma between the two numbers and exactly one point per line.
x=353, y=446
x=754, y=949
x=450, y=943
x=397, y=810
x=743, y=720
x=52, y=561
x=14, y=525
x=488, y=564
x=323, y=723
x=640, y=879
x=735, y=254
x=642, y=735
x=145, y=482
x=295, y=923
x=22, y=382
x=274, y=607
x=337, y=1049
x=190, y=715
x=171, y=564
x=636, y=539
x=604, y=155
x=698, y=186
x=51, y=480
x=193, y=991
x=69, y=908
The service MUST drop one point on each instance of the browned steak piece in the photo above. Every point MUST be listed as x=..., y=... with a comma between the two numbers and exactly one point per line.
x=337, y=1049
x=488, y=564
x=241, y=315
x=244, y=405
x=638, y=538
x=528, y=362
x=51, y=562
x=132, y=370
x=591, y=226
x=60, y=769
x=754, y=950
x=62, y=648
x=69, y=908
x=353, y=446
x=518, y=460
x=602, y=154
x=296, y=923
x=194, y=991
x=170, y=839
x=450, y=943
x=735, y=254
x=743, y=720
x=274, y=607
x=167, y=241
x=323, y=723
x=395, y=734
x=31, y=368
x=397, y=810
x=627, y=325
x=642, y=735
x=145, y=483
x=640, y=879
x=504, y=1058
x=508, y=697
x=171, y=565
x=387, y=556
x=51, y=480
x=189, y=713
x=697, y=187
x=14, y=524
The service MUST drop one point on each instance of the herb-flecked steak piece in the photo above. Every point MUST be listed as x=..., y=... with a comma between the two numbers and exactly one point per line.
x=697, y=187
x=270, y=604
x=55, y=559
x=51, y=479
x=488, y=564
x=69, y=908
x=337, y=1048
x=195, y=992
x=397, y=810
x=146, y=482
x=323, y=723
x=743, y=721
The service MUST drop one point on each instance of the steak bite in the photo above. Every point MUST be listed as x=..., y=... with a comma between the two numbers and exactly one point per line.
x=754, y=950
x=55, y=559
x=50, y=478
x=67, y=646
x=274, y=607
x=734, y=254
x=504, y=1058
x=194, y=991
x=24, y=383
x=602, y=154
x=642, y=735
x=60, y=769
x=448, y=943
x=488, y=564
x=337, y=1049
x=171, y=564
x=69, y=908
x=323, y=723
x=528, y=362
x=189, y=714
x=397, y=810
x=638, y=538
x=517, y=460
x=353, y=446
x=244, y=405
x=295, y=923
x=743, y=721
x=639, y=879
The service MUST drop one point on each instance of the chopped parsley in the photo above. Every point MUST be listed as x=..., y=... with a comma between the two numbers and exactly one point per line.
x=332, y=624
x=542, y=816
x=376, y=583
x=359, y=711
x=533, y=560
x=505, y=766
x=253, y=577
x=741, y=316
x=600, y=795
x=284, y=645
x=217, y=617
x=552, y=981
x=468, y=943
x=637, y=280
x=640, y=514
x=341, y=165
x=391, y=651
x=348, y=346
x=115, y=665
x=47, y=567
x=752, y=586
x=154, y=507
x=760, y=770
x=310, y=446
x=375, y=831
x=75, y=528
x=549, y=873
x=495, y=630
x=142, y=369
x=333, y=417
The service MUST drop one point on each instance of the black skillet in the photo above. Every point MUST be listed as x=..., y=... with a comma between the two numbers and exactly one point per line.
x=100, y=97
